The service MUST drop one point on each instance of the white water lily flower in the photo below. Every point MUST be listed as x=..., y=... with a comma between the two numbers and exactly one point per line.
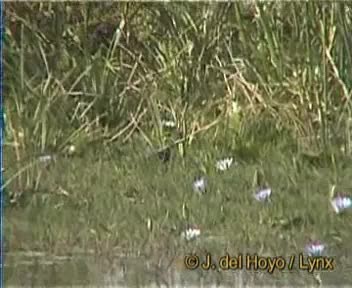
x=200, y=185
x=263, y=195
x=191, y=233
x=315, y=248
x=224, y=164
x=341, y=203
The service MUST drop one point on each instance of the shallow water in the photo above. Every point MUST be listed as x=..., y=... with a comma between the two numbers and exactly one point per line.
x=38, y=269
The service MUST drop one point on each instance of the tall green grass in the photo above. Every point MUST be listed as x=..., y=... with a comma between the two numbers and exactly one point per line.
x=289, y=62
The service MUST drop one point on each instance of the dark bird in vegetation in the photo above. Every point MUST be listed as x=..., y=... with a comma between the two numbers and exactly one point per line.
x=164, y=155
x=104, y=31
x=102, y=35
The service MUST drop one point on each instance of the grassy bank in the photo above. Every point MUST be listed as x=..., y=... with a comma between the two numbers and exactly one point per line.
x=268, y=85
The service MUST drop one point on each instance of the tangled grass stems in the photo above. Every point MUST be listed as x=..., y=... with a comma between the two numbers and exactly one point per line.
x=268, y=83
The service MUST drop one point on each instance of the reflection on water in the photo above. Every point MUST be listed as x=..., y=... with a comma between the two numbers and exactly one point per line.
x=37, y=269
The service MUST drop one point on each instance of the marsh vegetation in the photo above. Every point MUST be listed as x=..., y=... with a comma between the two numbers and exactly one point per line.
x=113, y=109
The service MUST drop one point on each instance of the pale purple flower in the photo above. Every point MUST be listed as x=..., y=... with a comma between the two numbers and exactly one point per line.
x=341, y=203
x=224, y=164
x=315, y=248
x=200, y=185
x=263, y=195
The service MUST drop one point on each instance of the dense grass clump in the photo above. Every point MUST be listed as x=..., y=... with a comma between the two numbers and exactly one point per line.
x=113, y=109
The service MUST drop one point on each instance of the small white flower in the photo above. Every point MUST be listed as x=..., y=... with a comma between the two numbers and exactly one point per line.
x=341, y=203
x=71, y=149
x=45, y=158
x=263, y=195
x=191, y=233
x=224, y=164
x=199, y=185
x=168, y=123
x=235, y=108
x=315, y=248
